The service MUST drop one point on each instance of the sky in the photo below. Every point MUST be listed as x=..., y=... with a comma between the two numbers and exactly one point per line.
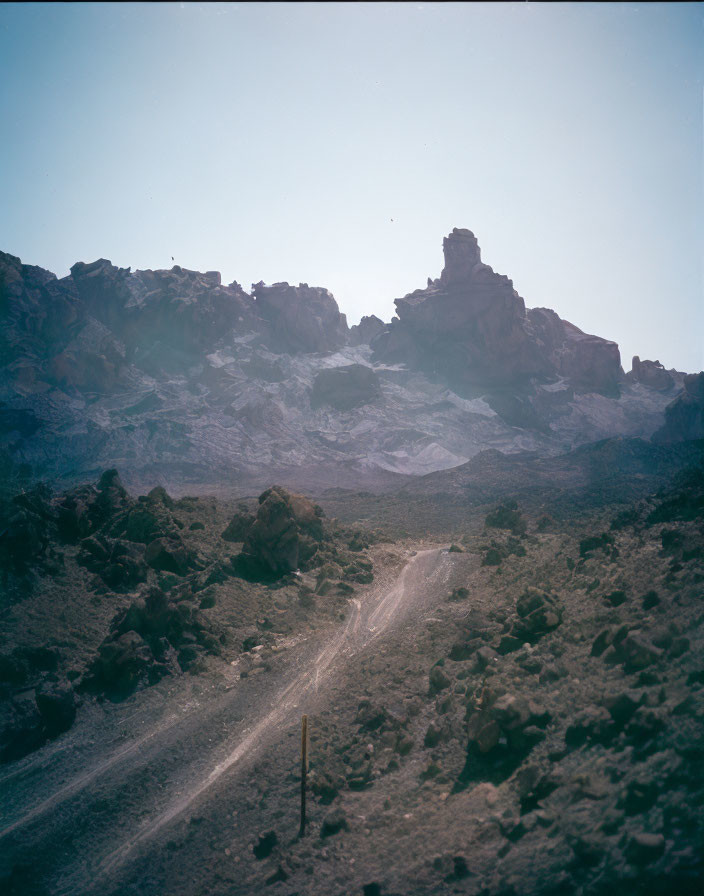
x=336, y=144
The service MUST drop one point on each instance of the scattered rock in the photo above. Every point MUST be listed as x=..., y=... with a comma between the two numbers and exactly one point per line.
x=265, y=846
x=334, y=822
x=643, y=848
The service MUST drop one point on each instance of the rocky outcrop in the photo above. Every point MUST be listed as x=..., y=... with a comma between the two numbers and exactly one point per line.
x=471, y=328
x=285, y=535
x=159, y=313
x=467, y=327
x=171, y=373
x=588, y=362
x=300, y=318
x=651, y=374
x=344, y=388
x=366, y=330
x=684, y=417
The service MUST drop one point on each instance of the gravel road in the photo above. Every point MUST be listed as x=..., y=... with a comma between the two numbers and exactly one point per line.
x=81, y=812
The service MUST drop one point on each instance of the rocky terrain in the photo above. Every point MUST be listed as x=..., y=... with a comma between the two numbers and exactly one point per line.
x=465, y=543
x=518, y=713
x=177, y=379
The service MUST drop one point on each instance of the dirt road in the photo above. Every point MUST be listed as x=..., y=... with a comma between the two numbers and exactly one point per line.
x=79, y=815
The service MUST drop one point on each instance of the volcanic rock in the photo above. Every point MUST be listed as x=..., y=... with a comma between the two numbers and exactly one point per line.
x=285, y=534
x=170, y=555
x=468, y=326
x=538, y=612
x=300, y=318
x=590, y=363
x=57, y=706
x=86, y=509
x=238, y=526
x=344, y=388
x=684, y=417
x=366, y=330
x=651, y=374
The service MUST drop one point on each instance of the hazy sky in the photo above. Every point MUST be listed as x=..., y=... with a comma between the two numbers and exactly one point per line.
x=336, y=144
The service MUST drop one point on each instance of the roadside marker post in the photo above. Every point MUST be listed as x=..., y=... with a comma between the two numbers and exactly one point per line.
x=304, y=772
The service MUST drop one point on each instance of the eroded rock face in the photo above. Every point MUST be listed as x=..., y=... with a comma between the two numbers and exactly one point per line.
x=471, y=327
x=344, y=388
x=159, y=312
x=300, y=318
x=285, y=534
x=651, y=374
x=366, y=330
x=590, y=363
x=171, y=370
x=684, y=417
x=468, y=326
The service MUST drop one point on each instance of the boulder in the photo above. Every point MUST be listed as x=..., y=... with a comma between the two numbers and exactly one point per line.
x=170, y=555
x=86, y=509
x=21, y=727
x=120, y=664
x=119, y=565
x=334, y=822
x=285, y=535
x=344, y=388
x=538, y=613
x=238, y=527
x=57, y=706
x=508, y=723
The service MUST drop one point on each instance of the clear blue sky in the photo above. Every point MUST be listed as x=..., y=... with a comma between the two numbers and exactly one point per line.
x=278, y=141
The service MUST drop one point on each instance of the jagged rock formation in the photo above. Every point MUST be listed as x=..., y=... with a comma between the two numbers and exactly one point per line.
x=171, y=375
x=684, y=417
x=468, y=326
x=471, y=327
x=651, y=374
x=301, y=319
x=366, y=330
x=590, y=363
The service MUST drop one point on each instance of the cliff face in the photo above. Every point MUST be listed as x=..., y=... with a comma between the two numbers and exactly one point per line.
x=472, y=327
x=171, y=373
x=684, y=417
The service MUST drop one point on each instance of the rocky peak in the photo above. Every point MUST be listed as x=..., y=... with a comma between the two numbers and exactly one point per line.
x=462, y=254
x=369, y=327
x=300, y=318
x=650, y=373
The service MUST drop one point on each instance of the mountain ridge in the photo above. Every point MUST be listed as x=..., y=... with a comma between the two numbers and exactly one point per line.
x=171, y=372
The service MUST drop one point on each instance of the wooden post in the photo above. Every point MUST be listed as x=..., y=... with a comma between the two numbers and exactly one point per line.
x=304, y=772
